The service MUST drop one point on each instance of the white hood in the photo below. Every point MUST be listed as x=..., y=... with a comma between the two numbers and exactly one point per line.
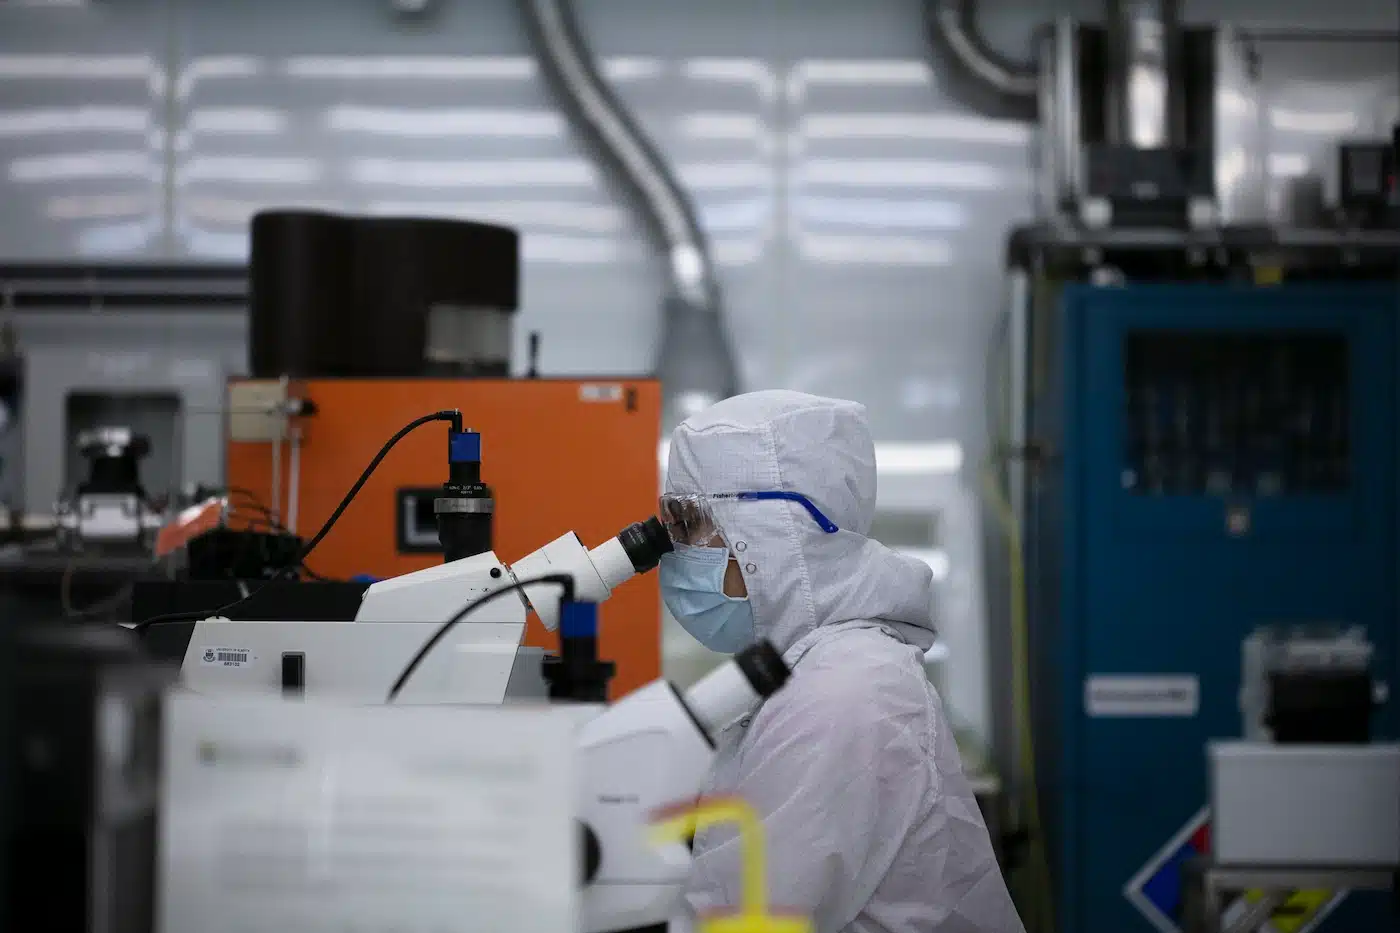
x=799, y=577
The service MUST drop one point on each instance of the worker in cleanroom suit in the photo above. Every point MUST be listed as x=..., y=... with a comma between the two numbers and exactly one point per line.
x=870, y=824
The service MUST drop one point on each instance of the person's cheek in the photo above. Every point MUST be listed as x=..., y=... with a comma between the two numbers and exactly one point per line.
x=734, y=585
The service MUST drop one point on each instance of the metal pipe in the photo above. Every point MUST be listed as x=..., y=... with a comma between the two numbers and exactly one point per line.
x=1142, y=39
x=953, y=24
x=1018, y=388
x=1051, y=168
x=275, y=507
x=1017, y=440
x=1317, y=35
x=283, y=423
x=693, y=306
x=294, y=482
x=1068, y=131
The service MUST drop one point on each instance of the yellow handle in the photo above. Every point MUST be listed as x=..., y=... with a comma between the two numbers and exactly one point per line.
x=753, y=915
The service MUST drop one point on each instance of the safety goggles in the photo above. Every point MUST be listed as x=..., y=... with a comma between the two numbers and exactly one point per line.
x=691, y=519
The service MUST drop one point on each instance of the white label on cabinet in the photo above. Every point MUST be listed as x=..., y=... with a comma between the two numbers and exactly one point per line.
x=594, y=392
x=1142, y=695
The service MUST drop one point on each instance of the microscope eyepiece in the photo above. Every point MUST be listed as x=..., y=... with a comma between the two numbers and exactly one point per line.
x=763, y=667
x=644, y=543
x=735, y=687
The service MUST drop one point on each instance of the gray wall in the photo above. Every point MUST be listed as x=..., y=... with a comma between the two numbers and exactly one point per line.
x=857, y=210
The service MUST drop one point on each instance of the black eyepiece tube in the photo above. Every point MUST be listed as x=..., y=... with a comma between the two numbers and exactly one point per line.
x=763, y=667
x=644, y=543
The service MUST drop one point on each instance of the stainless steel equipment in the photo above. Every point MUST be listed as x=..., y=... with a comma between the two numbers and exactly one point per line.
x=98, y=348
x=1305, y=806
x=1308, y=685
x=110, y=508
x=1128, y=110
x=1305, y=800
x=1147, y=120
x=1306, y=787
x=1366, y=189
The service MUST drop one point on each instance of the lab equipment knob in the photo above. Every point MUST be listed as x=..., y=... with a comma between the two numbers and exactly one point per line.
x=592, y=853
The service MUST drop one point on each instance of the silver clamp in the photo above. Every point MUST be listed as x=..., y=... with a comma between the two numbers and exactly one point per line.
x=463, y=505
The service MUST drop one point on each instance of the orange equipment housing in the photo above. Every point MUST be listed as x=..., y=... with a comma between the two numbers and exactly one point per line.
x=559, y=455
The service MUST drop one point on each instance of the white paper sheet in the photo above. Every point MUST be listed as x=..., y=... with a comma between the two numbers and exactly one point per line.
x=288, y=816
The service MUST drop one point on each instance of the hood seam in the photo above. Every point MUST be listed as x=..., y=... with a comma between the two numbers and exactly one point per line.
x=795, y=539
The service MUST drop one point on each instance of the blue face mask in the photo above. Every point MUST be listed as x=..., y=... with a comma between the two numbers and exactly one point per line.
x=692, y=584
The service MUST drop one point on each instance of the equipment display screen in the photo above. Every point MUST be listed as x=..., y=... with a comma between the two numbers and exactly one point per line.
x=1236, y=413
x=416, y=521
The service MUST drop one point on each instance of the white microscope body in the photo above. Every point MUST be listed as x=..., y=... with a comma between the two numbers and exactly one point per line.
x=654, y=748
x=651, y=749
x=481, y=661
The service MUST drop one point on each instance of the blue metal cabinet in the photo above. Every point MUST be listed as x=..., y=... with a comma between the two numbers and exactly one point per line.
x=1151, y=579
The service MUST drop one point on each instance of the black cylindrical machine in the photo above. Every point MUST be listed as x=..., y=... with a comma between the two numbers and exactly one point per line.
x=299, y=295
x=376, y=297
x=114, y=456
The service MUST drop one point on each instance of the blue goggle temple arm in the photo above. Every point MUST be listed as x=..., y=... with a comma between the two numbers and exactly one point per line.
x=827, y=525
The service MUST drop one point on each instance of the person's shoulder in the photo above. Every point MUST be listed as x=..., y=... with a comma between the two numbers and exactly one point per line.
x=866, y=659
x=840, y=688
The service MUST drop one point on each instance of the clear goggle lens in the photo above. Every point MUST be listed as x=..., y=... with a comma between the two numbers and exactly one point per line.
x=689, y=520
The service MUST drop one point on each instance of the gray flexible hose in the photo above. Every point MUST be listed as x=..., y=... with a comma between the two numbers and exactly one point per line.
x=954, y=24
x=695, y=361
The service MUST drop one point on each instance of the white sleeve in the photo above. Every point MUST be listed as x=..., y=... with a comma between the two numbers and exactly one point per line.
x=838, y=786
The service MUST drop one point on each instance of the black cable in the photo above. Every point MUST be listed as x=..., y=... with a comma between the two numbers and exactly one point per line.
x=449, y=415
x=257, y=508
x=319, y=578
x=167, y=618
x=565, y=581
x=446, y=415
x=269, y=521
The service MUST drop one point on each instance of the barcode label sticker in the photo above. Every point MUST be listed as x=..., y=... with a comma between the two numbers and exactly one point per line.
x=594, y=392
x=226, y=657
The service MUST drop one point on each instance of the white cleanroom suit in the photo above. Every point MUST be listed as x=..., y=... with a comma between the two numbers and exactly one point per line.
x=871, y=826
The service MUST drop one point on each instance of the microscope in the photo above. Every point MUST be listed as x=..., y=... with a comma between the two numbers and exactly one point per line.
x=483, y=662
x=109, y=509
x=652, y=749
x=451, y=634
x=480, y=661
